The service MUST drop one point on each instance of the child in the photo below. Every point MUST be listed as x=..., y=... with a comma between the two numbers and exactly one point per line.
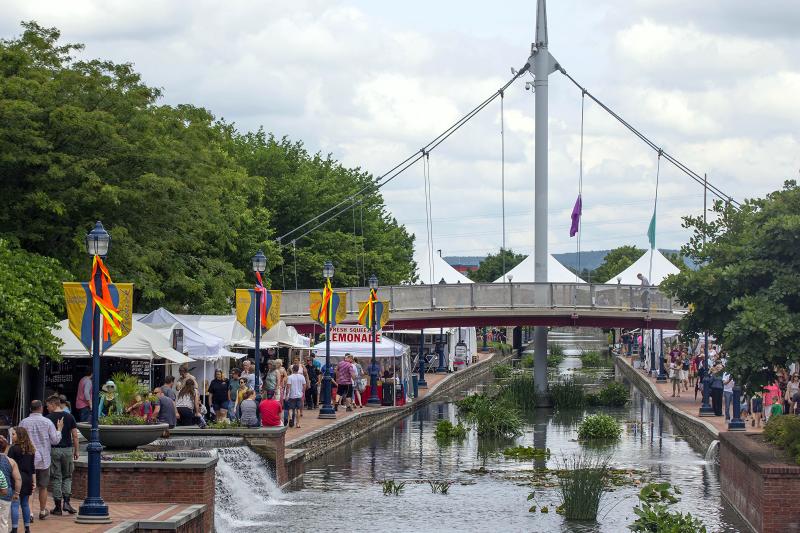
x=675, y=375
x=758, y=407
x=777, y=407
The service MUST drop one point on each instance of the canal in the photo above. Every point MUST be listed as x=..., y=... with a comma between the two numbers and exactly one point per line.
x=342, y=492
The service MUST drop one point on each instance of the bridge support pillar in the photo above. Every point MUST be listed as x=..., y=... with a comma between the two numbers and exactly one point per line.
x=540, y=363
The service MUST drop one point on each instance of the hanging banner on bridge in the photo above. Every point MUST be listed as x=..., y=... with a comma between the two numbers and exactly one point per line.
x=353, y=334
x=118, y=297
x=373, y=310
x=246, y=308
x=328, y=306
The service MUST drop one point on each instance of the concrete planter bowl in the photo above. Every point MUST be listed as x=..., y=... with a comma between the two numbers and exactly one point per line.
x=124, y=437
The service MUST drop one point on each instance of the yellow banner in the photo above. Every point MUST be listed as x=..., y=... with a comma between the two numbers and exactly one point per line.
x=246, y=309
x=338, y=307
x=79, y=311
x=381, y=312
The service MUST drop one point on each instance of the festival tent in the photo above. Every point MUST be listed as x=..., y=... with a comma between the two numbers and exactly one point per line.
x=143, y=342
x=441, y=270
x=524, y=272
x=233, y=334
x=662, y=267
x=198, y=343
x=283, y=335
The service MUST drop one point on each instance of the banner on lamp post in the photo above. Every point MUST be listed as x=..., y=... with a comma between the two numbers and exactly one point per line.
x=78, y=298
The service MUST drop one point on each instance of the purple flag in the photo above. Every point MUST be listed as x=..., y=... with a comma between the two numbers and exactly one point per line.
x=576, y=216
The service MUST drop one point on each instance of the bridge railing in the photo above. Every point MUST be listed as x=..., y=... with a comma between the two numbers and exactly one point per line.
x=465, y=296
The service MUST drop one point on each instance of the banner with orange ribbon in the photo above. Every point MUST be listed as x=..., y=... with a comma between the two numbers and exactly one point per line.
x=246, y=308
x=373, y=310
x=328, y=305
x=114, y=300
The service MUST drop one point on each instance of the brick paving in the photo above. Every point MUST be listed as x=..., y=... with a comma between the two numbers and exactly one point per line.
x=691, y=406
x=120, y=512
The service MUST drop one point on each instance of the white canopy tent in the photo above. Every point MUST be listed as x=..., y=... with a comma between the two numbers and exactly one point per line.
x=233, y=334
x=198, y=343
x=468, y=335
x=143, y=342
x=282, y=335
x=524, y=272
x=662, y=267
x=441, y=270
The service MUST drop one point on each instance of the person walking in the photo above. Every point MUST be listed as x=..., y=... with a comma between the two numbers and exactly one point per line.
x=757, y=408
x=44, y=434
x=64, y=455
x=296, y=386
x=313, y=378
x=185, y=376
x=218, y=389
x=83, y=400
x=23, y=454
x=188, y=404
x=358, y=383
x=675, y=376
x=716, y=390
x=271, y=379
x=10, y=471
x=168, y=388
x=344, y=381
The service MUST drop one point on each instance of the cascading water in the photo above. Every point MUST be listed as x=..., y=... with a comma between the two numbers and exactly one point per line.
x=712, y=453
x=246, y=491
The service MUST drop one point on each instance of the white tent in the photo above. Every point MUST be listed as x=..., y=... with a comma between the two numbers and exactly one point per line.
x=662, y=267
x=233, y=334
x=282, y=335
x=441, y=270
x=143, y=342
x=199, y=344
x=385, y=348
x=556, y=272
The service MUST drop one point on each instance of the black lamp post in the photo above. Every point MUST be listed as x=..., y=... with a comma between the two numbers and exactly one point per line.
x=662, y=374
x=421, y=360
x=94, y=509
x=373, y=367
x=259, y=267
x=440, y=350
x=705, y=408
x=327, y=411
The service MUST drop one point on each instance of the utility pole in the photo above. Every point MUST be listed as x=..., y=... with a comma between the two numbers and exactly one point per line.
x=543, y=65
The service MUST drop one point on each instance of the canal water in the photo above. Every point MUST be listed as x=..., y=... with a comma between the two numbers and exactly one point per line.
x=341, y=491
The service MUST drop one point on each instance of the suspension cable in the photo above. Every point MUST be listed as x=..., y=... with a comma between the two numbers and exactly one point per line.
x=672, y=159
x=294, y=252
x=401, y=167
x=363, y=253
x=654, y=222
x=580, y=187
x=503, y=180
x=428, y=226
x=355, y=242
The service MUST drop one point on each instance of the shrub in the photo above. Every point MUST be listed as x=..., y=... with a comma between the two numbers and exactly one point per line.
x=655, y=516
x=583, y=480
x=520, y=391
x=526, y=361
x=502, y=371
x=127, y=387
x=446, y=432
x=224, y=425
x=599, y=427
x=784, y=431
x=555, y=354
x=567, y=394
x=613, y=395
x=492, y=417
x=121, y=420
x=469, y=403
x=594, y=359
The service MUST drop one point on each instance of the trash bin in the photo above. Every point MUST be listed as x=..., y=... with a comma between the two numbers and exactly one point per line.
x=415, y=385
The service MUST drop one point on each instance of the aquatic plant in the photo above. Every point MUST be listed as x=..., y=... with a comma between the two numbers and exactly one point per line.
x=502, y=371
x=390, y=487
x=469, y=403
x=526, y=361
x=527, y=452
x=439, y=487
x=583, y=481
x=446, y=432
x=613, y=395
x=594, y=359
x=520, y=391
x=493, y=417
x=599, y=427
x=567, y=394
x=784, y=432
x=555, y=354
x=655, y=516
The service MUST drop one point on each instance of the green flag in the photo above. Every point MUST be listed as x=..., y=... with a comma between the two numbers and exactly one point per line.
x=651, y=231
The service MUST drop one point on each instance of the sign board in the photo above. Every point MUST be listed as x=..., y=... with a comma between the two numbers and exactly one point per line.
x=177, y=340
x=141, y=369
x=461, y=353
x=353, y=334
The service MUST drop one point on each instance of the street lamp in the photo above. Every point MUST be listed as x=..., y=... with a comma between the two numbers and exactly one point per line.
x=94, y=509
x=373, y=367
x=327, y=411
x=259, y=267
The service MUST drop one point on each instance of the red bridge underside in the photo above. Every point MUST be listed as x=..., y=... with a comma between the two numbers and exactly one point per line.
x=555, y=321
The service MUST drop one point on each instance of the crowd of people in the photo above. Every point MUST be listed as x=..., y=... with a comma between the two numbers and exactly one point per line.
x=688, y=370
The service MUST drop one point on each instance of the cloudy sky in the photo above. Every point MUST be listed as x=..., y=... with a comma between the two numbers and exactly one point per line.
x=716, y=83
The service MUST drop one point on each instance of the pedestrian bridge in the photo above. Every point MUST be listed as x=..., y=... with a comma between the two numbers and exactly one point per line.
x=504, y=304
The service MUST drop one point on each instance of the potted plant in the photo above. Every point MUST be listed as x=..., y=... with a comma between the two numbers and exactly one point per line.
x=124, y=430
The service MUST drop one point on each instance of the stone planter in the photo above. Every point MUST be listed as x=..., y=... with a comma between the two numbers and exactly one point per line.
x=124, y=437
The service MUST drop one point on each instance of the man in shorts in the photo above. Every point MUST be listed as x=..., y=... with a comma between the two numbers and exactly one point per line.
x=344, y=380
x=44, y=434
x=297, y=386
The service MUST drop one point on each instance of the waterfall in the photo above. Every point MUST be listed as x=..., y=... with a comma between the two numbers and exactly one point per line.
x=712, y=454
x=246, y=491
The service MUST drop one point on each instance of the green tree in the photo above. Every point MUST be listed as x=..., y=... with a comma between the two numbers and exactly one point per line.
x=31, y=302
x=491, y=268
x=615, y=262
x=746, y=291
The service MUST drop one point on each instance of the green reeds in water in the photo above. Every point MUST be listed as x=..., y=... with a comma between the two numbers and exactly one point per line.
x=520, y=391
x=391, y=487
x=583, y=480
x=567, y=394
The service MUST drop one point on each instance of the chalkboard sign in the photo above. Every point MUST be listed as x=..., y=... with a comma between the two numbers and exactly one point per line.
x=141, y=369
x=61, y=374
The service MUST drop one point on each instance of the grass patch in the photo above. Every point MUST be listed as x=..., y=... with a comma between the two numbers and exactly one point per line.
x=567, y=394
x=599, y=428
x=784, y=432
x=582, y=485
x=526, y=452
x=502, y=371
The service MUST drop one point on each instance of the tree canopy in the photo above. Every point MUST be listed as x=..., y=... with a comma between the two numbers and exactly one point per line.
x=615, y=262
x=186, y=197
x=746, y=291
x=491, y=268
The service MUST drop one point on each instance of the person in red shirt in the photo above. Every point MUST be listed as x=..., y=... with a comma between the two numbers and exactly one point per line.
x=270, y=410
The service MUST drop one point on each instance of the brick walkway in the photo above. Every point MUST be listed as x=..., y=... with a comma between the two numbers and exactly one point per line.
x=310, y=422
x=119, y=512
x=687, y=403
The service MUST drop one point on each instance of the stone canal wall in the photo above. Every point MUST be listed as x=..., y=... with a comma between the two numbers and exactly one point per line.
x=318, y=442
x=698, y=433
x=760, y=483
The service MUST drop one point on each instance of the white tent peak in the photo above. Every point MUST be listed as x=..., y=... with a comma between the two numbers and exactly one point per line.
x=662, y=267
x=556, y=272
x=441, y=270
x=198, y=342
